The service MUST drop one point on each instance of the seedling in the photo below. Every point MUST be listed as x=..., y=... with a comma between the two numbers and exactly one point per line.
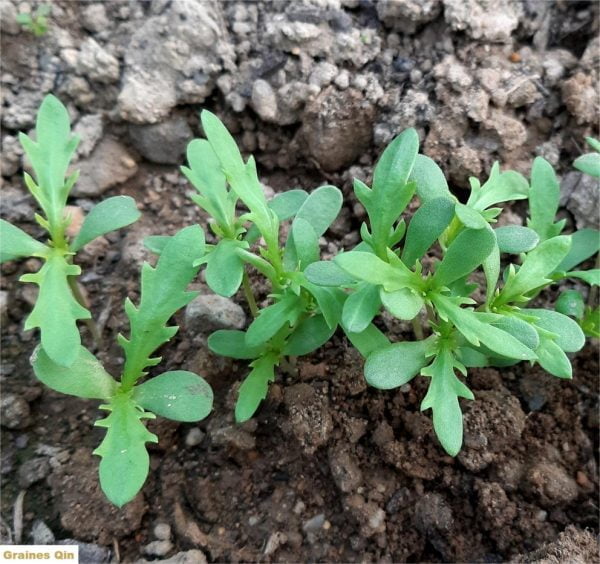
x=36, y=23
x=178, y=395
x=590, y=162
x=59, y=303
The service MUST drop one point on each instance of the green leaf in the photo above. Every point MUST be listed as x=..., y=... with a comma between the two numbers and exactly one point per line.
x=56, y=310
x=163, y=292
x=470, y=217
x=544, y=197
x=50, y=156
x=552, y=358
x=207, y=176
x=442, y=397
x=109, y=215
x=476, y=331
x=396, y=364
x=327, y=273
x=464, y=255
x=500, y=187
x=403, y=304
x=255, y=387
x=125, y=461
x=491, y=269
x=593, y=143
x=592, y=277
x=367, y=341
x=428, y=223
x=85, y=378
x=570, y=337
x=370, y=268
x=429, y=179
x=361, y=307
x=15, y=243
x=156, y=243
x=518, y=328
x=329, y=300
x=588, y=164
x=570, y=302
x=516, y=239
x=305, y=242
x=232, y=343
x=178, y=395
x=309, y=335
x=223, y=144
x=584, y=244
x=538, y=264
x=272, y=318
x=225, y=268
x=391, y=187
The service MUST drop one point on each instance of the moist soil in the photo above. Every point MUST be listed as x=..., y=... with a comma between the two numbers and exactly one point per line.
x=329, y=470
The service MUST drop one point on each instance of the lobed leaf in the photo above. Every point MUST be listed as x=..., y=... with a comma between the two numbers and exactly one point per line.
x=56, y=310
x=255, y=387
x=84, y=378
x=109, y=215
x=125, y=461
x=15, y=243
x=178, y=395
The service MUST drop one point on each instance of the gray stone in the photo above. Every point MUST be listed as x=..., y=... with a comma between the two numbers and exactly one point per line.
x=12, y=152
x=209, y=312
x=8, y=18
x=14, y=412
x=264, y=100
x=194, y=437
x=344, y=469
x=580, y=194
x=162, y=531
x=406, y=15
x=90, y=129
x=193, y=556
x=97, y=63
x=3, y=305
x=164, y=142
x=94, y=18
x=89, y=553
x=41, y=533
x=32, y=471
x=108, y=165
x=323, y=74
x=580, y=96
x=158, y=548
x=314, y=524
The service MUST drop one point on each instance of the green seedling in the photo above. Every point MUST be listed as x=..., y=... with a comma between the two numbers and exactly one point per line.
x=59, y=304
x=178, y=395
x=492, y=327
x=590, y=162
x=302, y=316
x=36, y=23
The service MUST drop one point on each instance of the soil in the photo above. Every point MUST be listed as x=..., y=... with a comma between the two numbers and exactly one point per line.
x=329, y=469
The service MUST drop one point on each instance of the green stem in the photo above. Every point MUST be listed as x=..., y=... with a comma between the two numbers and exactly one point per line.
x=417, y=329
x=249, y=295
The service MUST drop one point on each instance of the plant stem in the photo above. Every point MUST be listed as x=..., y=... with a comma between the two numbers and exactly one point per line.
x=249, y=295
x=90, y=323
x=417, y=329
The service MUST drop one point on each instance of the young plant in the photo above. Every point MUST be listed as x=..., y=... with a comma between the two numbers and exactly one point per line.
x=178, y=395
x=590, y=162
x=59, y=304
x=302, y=315
x=36, y=23
x=466, y=329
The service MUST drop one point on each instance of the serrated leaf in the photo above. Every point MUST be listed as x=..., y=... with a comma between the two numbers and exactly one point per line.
x=571, y=302
x=429, y=179
x=163, y=292
x=15, y=243
x=425, y=227
x=585, y=243
x=476, y=331
x=470, y=217
x=255, y=387
x=125, y=461
x=108, y=215
x=588, y=164
x=272, y=318
x=367, y=341
x=225, y=268
x=464, y=255
x=50, y=155
x=396, y=364
x=544, y=197
x=570, y=337
x=84, y=378
x=327, y=273
x=309, y=335
x=391, y=190
x=178, y=395
x=403, y=304
x=516, y=239
x=156, y=243
x=232, y=343
x=56, y=310
x=361, y=307
x=552, y=358
x=538, y=264
x=442, y=397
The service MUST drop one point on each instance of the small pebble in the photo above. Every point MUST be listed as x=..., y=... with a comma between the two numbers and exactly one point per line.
x=314, y=524
x=162, y=531
x=194, y=437
x=158, y=547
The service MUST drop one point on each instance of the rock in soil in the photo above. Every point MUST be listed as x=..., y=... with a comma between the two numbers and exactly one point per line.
x=551, y=484
x=41, y=533
x=209, y=312
x=14, y=412
x=164, y=142
x=32, y=471
x=89, y=553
